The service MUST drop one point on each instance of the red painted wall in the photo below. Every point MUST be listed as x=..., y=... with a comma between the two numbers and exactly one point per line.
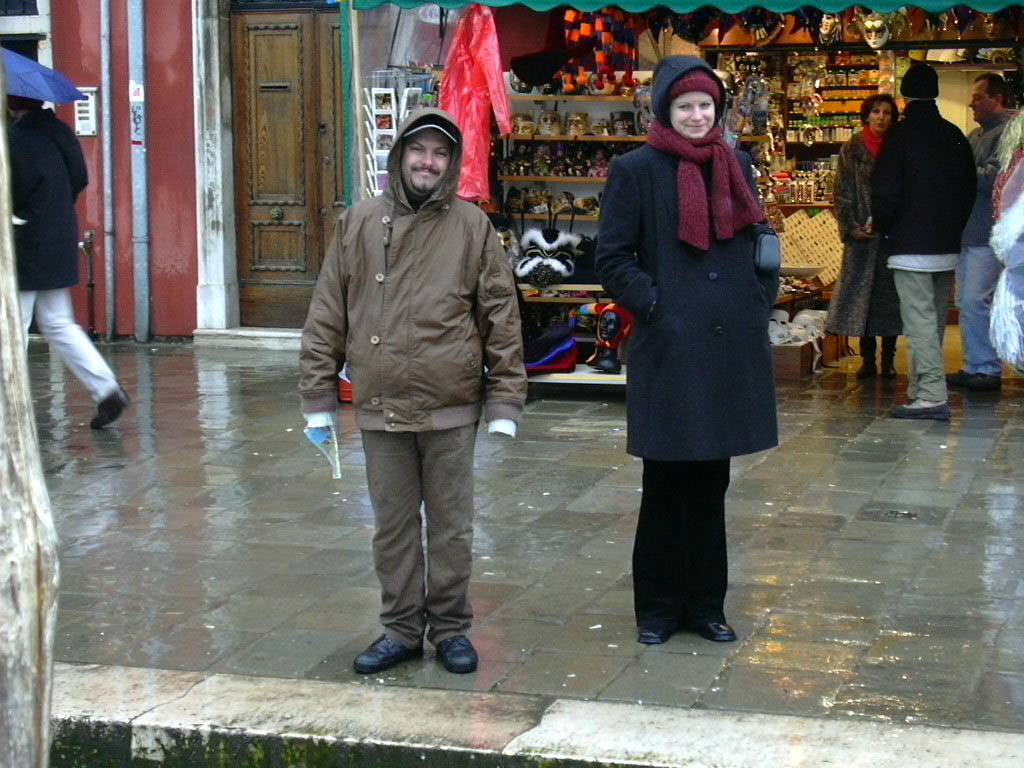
x=171, y=160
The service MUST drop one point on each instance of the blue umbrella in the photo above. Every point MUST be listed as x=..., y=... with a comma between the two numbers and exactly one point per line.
x=34, y=81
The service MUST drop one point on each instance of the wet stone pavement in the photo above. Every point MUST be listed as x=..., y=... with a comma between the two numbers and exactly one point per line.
x=876, y=568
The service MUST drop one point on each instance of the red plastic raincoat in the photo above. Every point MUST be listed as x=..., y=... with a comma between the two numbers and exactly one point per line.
x=473, y=85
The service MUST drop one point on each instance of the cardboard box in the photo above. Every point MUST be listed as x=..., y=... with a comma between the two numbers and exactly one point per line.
x=834, y=348
x=792, y=361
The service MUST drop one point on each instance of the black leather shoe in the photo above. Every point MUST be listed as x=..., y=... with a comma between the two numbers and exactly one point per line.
x=718, y=631
x=383, y=654
x=958, y=379
x=109, y=409
x=457, y=654
x=983, y=382
x=653, y=635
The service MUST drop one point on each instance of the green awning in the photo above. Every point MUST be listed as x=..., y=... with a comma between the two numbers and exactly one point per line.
x=685, y=6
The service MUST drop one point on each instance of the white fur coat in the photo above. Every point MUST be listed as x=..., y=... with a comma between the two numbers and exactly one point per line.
x=1006, y=328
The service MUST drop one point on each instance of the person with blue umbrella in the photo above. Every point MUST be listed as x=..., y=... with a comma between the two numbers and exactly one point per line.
x=27, y=77
x=48, y=172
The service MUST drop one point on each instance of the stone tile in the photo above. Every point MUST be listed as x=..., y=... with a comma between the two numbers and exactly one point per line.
x=998, y=701
x=594, y=634
x=547, y=604
x=351, y=609
x=758, y=688
x=670, y=680
x=904, y=694
x=833, y=598
x=563, y=674
x=510, y=640
x=284, y=653
x=249, y=613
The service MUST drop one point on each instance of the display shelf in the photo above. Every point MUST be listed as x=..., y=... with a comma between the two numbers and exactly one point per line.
x=570, y=179
x=565, y=97
x=545, y=217
x=592, y=287
x=566, y=300
x=539, y=137
x=583, y=375
x=746, y=139
x=803, y=205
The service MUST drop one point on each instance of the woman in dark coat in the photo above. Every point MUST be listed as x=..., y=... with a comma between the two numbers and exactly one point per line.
x=864, y=303
x=676, y=248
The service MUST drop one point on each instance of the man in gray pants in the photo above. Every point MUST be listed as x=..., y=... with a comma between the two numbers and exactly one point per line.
x=922, y=190
x=979, y=269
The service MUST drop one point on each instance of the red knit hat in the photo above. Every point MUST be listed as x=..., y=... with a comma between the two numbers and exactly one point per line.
x=697, y=80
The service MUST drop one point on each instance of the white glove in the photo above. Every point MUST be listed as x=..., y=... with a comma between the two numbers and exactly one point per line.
x=505, y=427
x=321, y=419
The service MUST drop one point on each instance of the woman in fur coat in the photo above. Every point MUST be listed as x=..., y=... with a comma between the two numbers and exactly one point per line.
x=864, y=303
x=1006, y=328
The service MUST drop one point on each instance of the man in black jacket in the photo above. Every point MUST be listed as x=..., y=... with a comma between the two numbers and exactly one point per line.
x=922, y=190
x=47, y=173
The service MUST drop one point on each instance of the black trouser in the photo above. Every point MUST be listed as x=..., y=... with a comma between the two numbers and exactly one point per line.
x=868, y=347
x=680, y=566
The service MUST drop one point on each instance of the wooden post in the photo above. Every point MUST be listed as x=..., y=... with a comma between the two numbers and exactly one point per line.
x=28, y=540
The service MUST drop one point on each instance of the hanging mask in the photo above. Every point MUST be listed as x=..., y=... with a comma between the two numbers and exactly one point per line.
x=548, y=257
x=875, y=29
x=830, y=31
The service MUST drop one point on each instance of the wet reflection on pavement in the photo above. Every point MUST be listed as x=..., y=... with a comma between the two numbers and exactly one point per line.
x=876, y=567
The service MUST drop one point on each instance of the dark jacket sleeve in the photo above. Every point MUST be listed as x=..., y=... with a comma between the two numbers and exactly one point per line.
x=887, y=182
x=618, y=241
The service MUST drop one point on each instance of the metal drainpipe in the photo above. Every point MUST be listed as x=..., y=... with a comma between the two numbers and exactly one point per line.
x=107, y=134
x=140, y=176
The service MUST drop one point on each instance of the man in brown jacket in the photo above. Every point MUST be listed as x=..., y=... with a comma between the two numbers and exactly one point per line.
x=416, y=295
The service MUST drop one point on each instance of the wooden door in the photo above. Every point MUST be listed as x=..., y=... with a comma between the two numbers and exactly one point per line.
x=288, y=177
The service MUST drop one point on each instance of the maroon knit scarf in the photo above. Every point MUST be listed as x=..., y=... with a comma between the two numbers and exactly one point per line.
x=734, y=206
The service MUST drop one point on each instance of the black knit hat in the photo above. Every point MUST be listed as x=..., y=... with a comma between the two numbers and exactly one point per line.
x=920, y=82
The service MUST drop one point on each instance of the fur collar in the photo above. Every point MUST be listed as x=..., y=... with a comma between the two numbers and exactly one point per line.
x=1008, y=229
x=548, y=239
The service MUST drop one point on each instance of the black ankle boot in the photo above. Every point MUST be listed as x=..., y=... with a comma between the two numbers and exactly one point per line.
x=888, y=355
x=867, y=353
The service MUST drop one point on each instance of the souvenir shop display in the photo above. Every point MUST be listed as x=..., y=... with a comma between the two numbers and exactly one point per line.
x=388, y=97
x=794, y=84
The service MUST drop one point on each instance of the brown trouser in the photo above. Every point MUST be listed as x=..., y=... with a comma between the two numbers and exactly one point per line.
x=403, y=471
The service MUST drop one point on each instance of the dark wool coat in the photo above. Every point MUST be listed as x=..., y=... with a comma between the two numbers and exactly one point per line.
x=47, y=173
x=699, y=380
x=923, y=183
x=865, y=302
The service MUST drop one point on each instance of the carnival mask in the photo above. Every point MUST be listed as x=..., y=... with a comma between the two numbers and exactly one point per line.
x=548, y=256
x=550, y=123
x=600, y=127
x=875, y=29
x=831, y=31
x=522, y=124
x=576, y=124
x=623, y=124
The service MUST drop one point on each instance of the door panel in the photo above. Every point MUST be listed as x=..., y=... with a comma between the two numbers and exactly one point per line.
x=331, y=129
x=286, y=147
